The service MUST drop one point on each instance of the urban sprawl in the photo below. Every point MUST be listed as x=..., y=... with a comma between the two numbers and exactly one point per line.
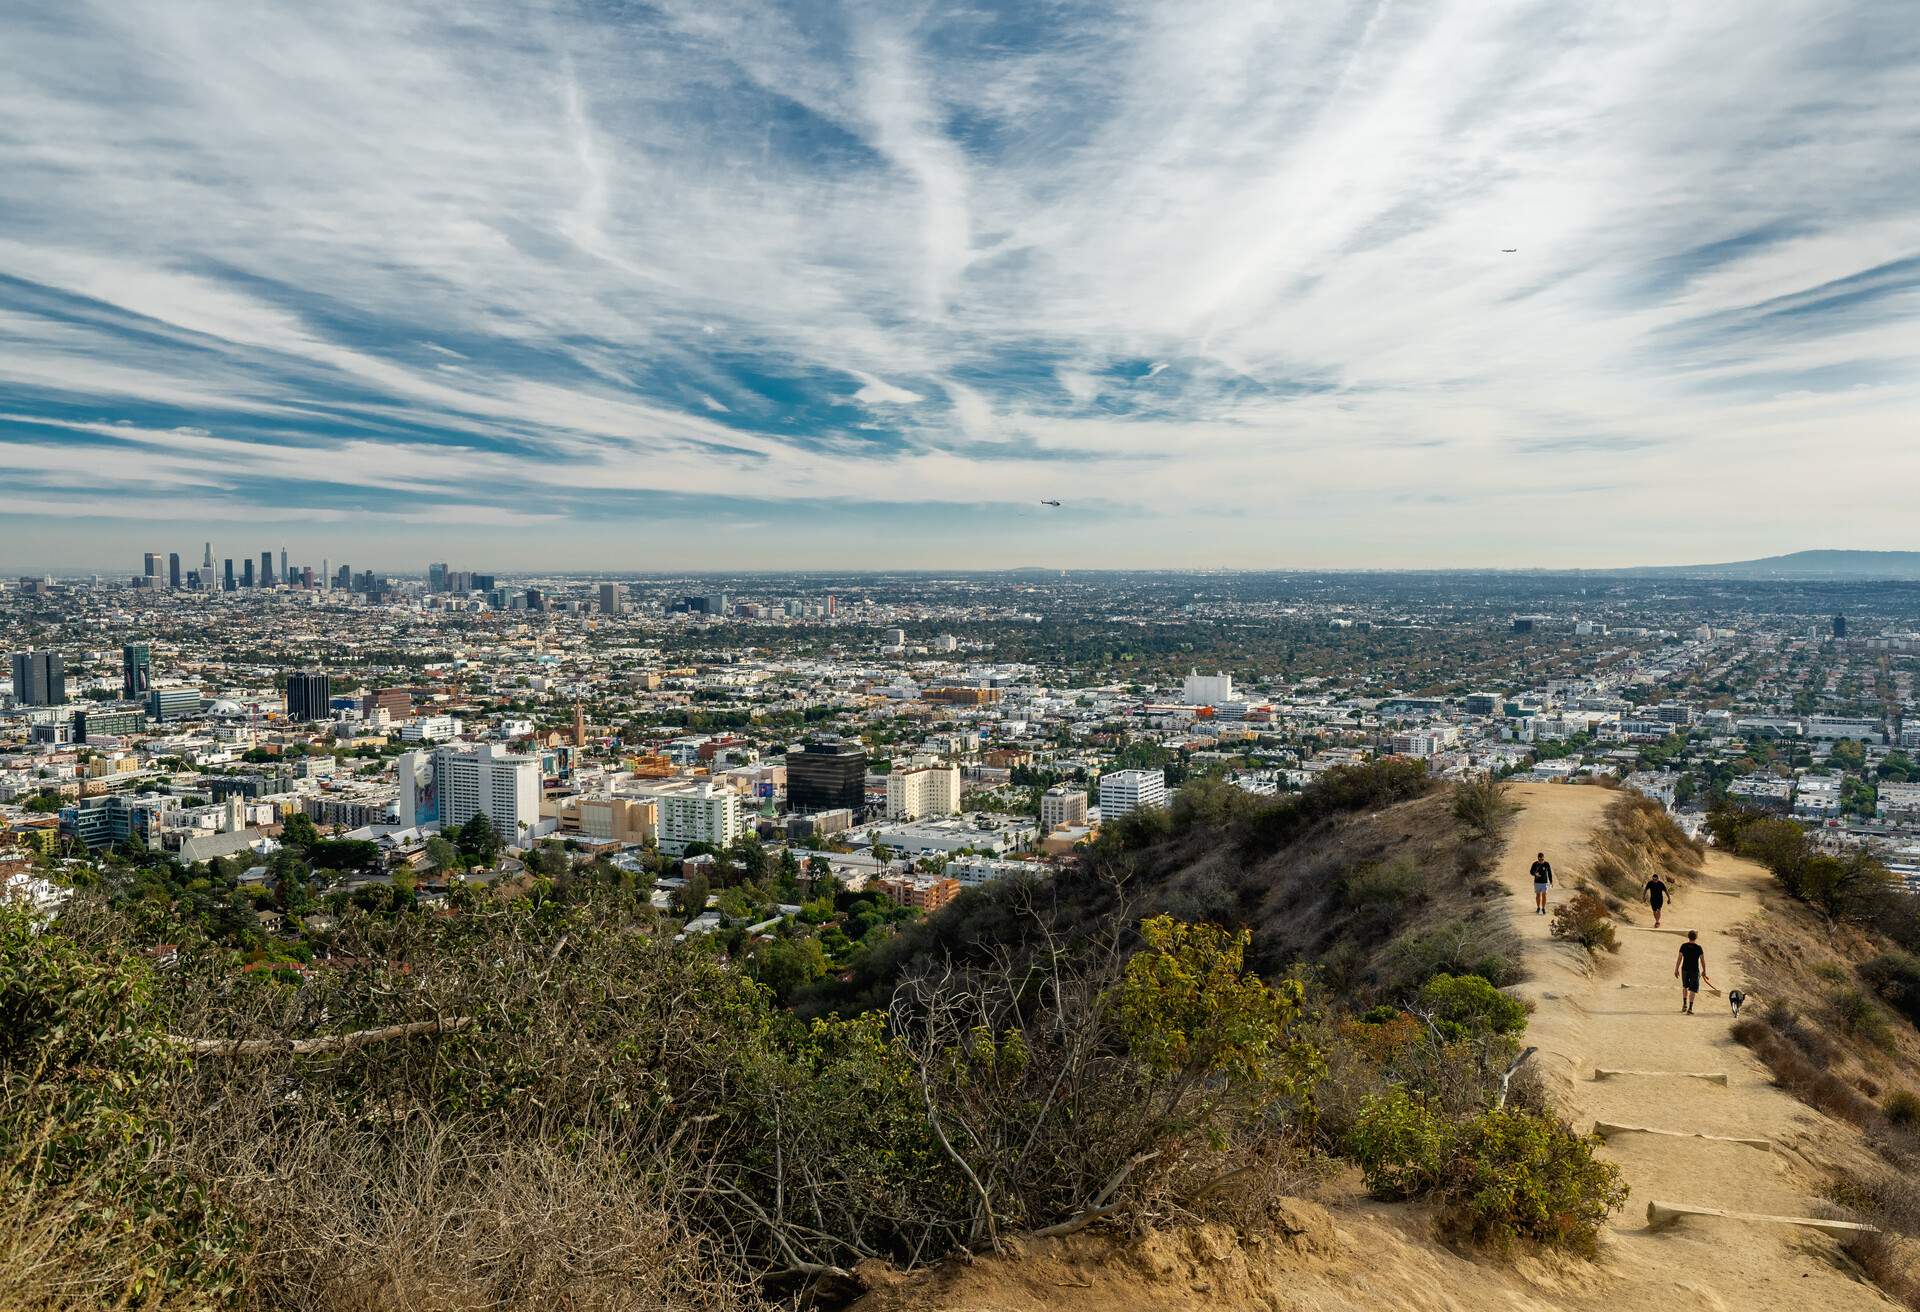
x=744, y=742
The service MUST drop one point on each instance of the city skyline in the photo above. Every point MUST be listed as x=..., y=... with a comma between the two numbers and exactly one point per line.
x=732, y=287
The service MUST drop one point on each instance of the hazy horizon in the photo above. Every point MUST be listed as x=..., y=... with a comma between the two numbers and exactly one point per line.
x=724, y=286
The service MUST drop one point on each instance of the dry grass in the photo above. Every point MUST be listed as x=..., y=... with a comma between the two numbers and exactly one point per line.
x=1637, y=840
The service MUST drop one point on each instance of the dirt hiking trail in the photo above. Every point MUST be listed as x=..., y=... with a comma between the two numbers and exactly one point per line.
x=1622, y=1012
x=1618, y=1012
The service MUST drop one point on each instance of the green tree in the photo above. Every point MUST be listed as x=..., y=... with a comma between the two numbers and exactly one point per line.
x=480, y=841
x=443, y=856
x=299, y=832
x=690, y=899
x=1190, y=1011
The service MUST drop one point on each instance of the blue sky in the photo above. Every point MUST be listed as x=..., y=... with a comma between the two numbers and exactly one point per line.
x=728, y=285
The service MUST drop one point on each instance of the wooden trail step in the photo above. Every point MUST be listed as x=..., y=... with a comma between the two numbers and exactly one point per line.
x=1661, y=1215
x=1711, y=1077
x=1607, y=1129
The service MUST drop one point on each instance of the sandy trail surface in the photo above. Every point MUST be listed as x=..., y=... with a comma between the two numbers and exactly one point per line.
x=1622, y=1012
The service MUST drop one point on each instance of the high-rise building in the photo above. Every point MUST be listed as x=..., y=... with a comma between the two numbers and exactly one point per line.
x=437, y=578
x=917, y=790
x=206, y=556
x=1207, y=689
x=136, y=670
x=694, y=813
x=309, y=693
x=326, y=574
x=824, y=775
x=266, y=569
x=343, y=577
x=1062, y=804
x=1839, y=626
x=173, y=703
x=1122, y=791
x=173, y=570
x=39, y=678
x=452, y=784
x=610, y=595
x=226, y=580
x=246, y=574
x=284, y=576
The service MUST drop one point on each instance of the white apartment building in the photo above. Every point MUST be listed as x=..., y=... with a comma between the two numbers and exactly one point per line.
x=1425, y=742
x=1816, y=795
x=1900, y=803
x=691, y=812
x=1206, y=689
x=431, y=729
x=1832, y=727
x=1062, y=805
x=1909, y=733
x=450, y=785
x=919, y=790
x=1122, y=791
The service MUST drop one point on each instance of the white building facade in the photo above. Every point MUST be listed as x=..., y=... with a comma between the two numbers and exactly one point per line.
x=1122, y=791
x=923, y=790
x=450, y=785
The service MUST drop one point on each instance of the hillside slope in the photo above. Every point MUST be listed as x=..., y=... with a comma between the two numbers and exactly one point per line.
x=1621, y=1012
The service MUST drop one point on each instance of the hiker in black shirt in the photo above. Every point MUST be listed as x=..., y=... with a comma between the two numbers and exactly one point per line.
x=1542, y=876
x=1658, y=895
x=1690, y=967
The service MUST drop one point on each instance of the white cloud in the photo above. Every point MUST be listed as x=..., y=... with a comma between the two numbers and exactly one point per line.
x=661, y=248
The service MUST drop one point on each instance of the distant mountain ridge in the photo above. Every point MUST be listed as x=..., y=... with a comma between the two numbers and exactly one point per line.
x=1903, y=565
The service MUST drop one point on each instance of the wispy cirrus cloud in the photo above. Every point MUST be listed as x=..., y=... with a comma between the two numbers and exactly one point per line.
x=1220, y=275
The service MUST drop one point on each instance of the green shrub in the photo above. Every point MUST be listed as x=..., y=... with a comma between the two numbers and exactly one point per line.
x=1466, y=1006
x=1390, y=885
x=1400, y=1144
x=1456, y=946
x=1499, y=1177
x=1902, y=1108
x=1583, y=919
x=1895, y=976
x=1482, y=806
x=1859, y=1015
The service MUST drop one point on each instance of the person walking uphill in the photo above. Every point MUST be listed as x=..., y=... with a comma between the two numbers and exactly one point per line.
x=1542, y=873
x=1690, y=967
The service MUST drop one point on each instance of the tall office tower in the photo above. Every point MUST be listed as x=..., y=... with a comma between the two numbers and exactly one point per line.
x=306, y=577
x=206, y=557
x=830, y=604
x=326, y=574
x=284, y=576
x=173, y=570
x=1839, y=626
x=153, y=569
x=246, y=575
x=436, y=578
x=451, y=785
x=308, y=695
x=825, y=776
x=136, y=670
x=266, y=569
x=343, y=577
x=227, y=580
x=536, y=599
x=39, y=678
x=610, y=598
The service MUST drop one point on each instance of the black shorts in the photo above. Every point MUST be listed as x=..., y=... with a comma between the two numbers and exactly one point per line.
x=1690, y=981
x=1657, y=902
